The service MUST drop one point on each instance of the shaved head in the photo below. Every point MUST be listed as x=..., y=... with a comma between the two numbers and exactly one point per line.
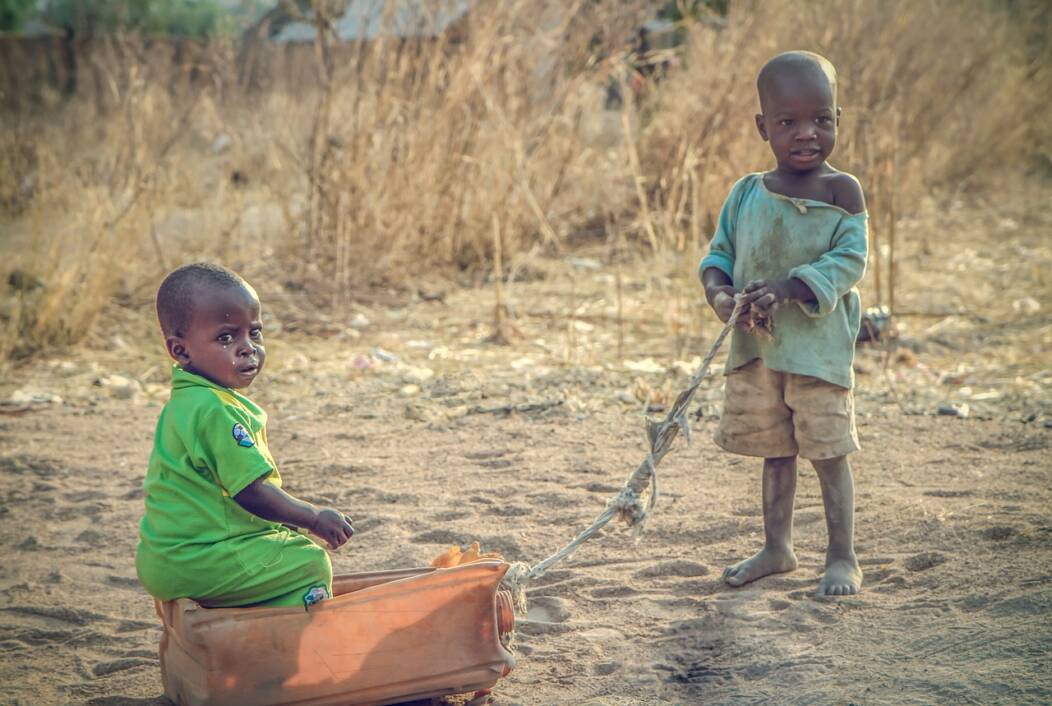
x=186, y=286
x=792, y=68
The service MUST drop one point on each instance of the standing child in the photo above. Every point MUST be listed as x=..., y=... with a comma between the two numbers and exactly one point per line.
x=791, y=243
x=215, y=523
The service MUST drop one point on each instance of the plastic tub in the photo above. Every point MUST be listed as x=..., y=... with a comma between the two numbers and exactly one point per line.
x=385, y=637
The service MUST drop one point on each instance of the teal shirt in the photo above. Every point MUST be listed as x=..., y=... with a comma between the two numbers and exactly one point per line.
x=764, y=235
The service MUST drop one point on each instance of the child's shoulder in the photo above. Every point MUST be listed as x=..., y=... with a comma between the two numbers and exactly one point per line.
x=194, y=404
x=846, y=191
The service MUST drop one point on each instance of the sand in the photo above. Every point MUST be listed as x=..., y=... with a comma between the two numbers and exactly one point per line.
x=954, y=529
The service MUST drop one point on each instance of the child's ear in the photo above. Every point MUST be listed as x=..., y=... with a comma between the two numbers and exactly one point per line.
x=177, y=349
x=761, y=126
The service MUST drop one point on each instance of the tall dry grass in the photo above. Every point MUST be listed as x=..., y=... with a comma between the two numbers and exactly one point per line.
x=381, y=161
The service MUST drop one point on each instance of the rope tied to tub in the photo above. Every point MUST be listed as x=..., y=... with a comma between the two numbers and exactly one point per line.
x=629, y=505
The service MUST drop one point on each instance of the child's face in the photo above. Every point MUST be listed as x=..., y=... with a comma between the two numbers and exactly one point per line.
x=799, y=119
x=224, y=342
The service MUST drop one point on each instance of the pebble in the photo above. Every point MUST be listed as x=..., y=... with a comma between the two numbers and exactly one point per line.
x=28, y=396
x=119, y=386
x=954, y=410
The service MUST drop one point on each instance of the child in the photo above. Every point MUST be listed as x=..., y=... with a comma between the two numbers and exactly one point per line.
x=791, y=243
x=214, y=527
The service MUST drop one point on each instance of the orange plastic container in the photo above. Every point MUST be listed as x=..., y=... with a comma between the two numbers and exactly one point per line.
x=384, y=637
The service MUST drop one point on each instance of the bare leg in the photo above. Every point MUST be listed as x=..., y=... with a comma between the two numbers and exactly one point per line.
x=779, y=489
x=843, y=577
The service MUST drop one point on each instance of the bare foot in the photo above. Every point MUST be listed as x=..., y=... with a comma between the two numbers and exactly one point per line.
x=842, y=578
x=766, y=561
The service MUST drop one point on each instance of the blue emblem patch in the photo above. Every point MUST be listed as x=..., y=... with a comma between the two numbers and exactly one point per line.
x=242, y=436
x=315, y=595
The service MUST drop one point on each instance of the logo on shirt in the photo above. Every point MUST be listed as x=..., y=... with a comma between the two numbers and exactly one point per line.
x=242, y=437
x=315, y=595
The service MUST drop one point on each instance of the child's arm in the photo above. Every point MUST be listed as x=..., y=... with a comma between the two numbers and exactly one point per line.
x=717, y=267
x=270, y=502
x=719, y=292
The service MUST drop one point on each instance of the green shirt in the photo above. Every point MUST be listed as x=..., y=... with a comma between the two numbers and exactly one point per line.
x=210, y=443
x=764, y=235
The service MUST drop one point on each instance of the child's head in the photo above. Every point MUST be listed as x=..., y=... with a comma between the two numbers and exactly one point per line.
x=799, y=114
x=211, y=323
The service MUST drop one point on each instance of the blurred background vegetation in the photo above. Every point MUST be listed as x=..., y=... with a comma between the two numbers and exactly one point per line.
x=336, y=146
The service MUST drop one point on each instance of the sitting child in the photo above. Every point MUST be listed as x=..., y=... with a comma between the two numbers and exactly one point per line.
x=215, y=529
x=792, y=243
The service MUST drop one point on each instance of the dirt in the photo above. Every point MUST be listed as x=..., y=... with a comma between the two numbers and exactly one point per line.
x=427, y=434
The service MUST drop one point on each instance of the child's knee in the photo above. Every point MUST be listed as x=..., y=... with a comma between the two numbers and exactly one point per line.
x=319, y=565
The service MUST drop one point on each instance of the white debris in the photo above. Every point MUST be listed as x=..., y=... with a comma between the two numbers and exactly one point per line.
x=413, y=374
x=584, y=263
x=647, y=365
x=222, y=143
x=384, y=356
x=1026, y=305
x=360, y=321
x=119, y=386
x=33, y=397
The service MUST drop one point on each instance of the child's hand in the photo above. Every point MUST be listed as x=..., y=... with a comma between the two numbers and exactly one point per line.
x=769, y=294
x=332, y=526
x=723, y=304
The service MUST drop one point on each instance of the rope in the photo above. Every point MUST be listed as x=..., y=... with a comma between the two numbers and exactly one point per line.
x=627, y=505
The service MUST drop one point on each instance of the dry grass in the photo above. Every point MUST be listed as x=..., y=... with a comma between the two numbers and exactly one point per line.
x=382, y=161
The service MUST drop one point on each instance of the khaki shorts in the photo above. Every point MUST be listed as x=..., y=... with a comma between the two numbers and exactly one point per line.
x=773, y=414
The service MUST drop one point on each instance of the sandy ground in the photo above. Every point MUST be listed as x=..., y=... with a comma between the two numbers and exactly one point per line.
x=953, y=524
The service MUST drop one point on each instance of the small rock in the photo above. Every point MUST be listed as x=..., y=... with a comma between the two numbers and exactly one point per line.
x=34, y=397
x=361, y=362
x=522, y=363
x=585, y=263
x=409, y=390
x=604, y=668
x=647, y=365
x=119, y=386
x=413, y=374
x=384, y=356
x=626, y=397
x=349, y=334
x=68, y=367
x=360, y=321
x=222, y=143
x=1026, y=305
x=954, y=410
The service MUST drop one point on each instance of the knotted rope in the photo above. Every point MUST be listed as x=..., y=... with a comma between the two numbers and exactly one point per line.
x=628, y=503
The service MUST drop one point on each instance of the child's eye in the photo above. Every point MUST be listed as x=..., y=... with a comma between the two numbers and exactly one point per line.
x=225, y=338
x=785, y=122
x=825, y=120
x=256, y=333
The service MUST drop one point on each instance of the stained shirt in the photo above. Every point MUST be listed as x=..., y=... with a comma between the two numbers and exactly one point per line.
x=764, y=235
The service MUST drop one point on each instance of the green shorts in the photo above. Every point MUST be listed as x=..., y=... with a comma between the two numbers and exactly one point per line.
x=275, y=568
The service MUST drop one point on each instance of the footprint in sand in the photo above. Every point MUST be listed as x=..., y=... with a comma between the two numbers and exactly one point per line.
x=677, y=568
x=546, y=615
x=924, y=561
x=999, y=533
